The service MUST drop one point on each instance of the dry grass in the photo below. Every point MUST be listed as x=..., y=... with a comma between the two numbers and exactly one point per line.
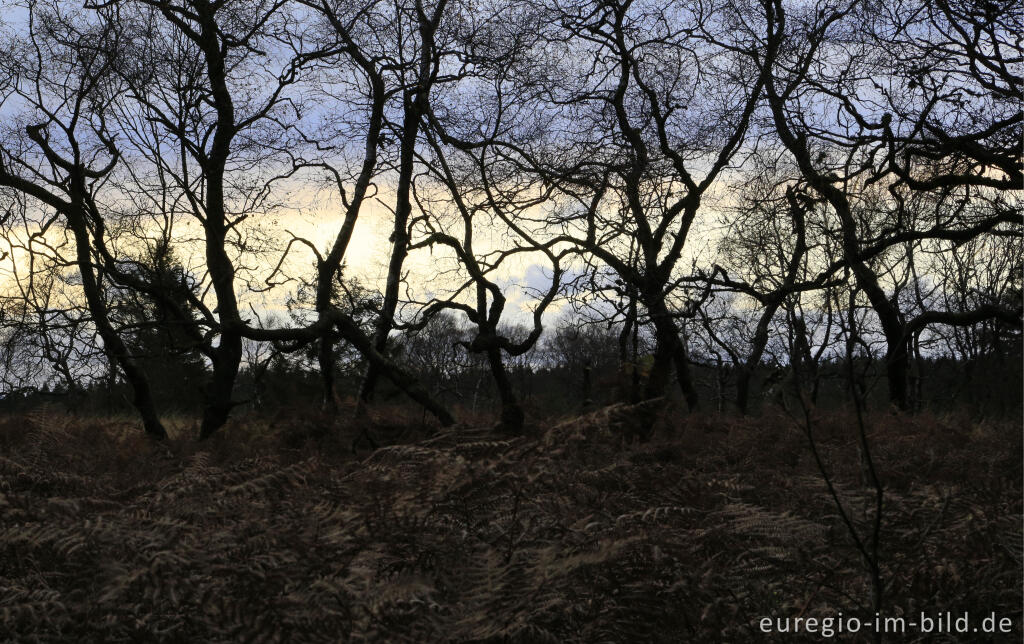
x=276, y=532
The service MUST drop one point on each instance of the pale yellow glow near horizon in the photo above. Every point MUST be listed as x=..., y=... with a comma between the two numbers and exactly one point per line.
x=316, y=214
x=318, y=219
x=429, y=272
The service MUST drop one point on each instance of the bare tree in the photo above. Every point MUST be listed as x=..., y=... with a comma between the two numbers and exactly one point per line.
x=654, y=112
x=486, y=200
x=841, y=160
x=60, y=74
x=420, y=62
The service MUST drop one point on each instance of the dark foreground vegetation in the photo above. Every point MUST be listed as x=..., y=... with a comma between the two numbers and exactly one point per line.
x=275, y=531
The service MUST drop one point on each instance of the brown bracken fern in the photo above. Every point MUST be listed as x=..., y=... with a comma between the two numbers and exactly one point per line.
x=576, y=534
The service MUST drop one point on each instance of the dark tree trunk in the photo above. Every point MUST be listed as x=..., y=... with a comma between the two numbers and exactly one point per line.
x=415, y=105
x=399, y=251
x=512, y=416
x=221, y=386
x=326, y=361
x=628, y=353
x=588, y=386
x=669, y=350
x=143, y=395
x=917, y=384
x=757, y=348
x=682, y=362
x=743, y=378
x=720, y=380
x=227, y=356
x=661, y=369
x=897, y=364
x=897, y=359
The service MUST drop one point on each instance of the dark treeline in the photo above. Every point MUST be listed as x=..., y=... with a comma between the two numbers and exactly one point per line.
x=572, y=370
x=724, y=203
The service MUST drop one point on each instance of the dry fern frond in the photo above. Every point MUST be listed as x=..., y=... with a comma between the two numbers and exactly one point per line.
x=471, y=536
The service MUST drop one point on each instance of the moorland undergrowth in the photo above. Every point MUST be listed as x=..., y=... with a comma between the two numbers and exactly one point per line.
x=566, y=534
